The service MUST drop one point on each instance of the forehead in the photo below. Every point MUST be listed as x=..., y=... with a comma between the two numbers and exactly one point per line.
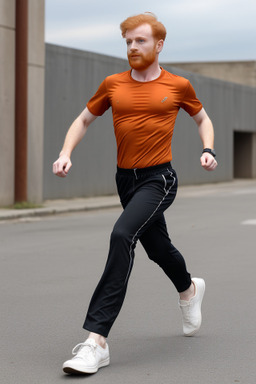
x=143, y=30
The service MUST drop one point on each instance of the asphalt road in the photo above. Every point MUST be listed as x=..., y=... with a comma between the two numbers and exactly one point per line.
x=50, y=266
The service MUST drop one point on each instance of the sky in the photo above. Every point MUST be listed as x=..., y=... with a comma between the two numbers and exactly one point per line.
x=197, y=30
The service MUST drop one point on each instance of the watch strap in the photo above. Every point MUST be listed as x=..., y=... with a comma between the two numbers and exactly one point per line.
x=209, y=150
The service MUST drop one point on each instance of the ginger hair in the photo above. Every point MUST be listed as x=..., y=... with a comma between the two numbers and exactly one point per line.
x=132, y=22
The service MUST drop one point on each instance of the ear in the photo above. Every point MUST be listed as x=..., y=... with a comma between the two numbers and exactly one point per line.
x=159, y=46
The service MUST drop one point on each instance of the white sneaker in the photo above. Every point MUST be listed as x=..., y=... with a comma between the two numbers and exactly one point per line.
x=89, y=357
x=191, y=310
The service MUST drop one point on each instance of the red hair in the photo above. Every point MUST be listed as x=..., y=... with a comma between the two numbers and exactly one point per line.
x=158, y=29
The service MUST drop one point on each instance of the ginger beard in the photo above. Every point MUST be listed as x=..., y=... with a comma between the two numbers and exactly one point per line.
x=140, y=61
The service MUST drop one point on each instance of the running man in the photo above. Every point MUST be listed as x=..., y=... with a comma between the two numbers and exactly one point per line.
x=145, y=102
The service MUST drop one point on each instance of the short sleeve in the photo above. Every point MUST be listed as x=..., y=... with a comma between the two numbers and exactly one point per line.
x=190, y=102
x=99, y=103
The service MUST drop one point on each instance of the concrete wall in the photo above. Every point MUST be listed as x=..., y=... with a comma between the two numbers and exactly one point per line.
x=36, y=49
x=72, y=77
x=240, y=72
x=7, y=100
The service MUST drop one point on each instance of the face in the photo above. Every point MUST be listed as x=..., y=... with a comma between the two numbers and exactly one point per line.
x=142, y=48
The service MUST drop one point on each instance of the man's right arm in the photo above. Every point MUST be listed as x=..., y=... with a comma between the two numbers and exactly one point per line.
x=74, y=135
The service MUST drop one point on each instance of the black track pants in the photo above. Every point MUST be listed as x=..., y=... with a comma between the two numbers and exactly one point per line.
x=145, y=194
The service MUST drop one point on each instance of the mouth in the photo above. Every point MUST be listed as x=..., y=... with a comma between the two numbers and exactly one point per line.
x=134, y=56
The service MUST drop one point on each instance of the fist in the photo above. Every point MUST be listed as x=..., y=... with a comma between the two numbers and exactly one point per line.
x=208, y=162
x=62, y=166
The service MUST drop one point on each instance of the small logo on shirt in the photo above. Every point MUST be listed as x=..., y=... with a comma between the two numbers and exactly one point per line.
x=164, y=99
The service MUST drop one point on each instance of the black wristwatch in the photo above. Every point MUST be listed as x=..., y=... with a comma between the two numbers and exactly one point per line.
x=211, y=151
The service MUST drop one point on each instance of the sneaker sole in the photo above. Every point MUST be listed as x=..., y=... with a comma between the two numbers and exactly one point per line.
x=193, y=332
x=77, y=371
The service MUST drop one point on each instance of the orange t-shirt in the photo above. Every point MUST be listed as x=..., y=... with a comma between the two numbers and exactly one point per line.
x=144, y=115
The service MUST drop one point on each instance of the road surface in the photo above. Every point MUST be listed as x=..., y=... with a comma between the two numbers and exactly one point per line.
x=50, y=267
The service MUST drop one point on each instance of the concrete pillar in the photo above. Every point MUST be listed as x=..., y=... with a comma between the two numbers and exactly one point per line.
x=36, y=69
x=254, y=155
x=7, y=100
x=21, y=100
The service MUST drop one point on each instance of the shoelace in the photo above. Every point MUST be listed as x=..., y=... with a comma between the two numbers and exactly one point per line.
x=83, y=348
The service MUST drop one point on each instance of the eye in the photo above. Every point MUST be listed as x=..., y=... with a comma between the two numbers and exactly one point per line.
x=128, y=42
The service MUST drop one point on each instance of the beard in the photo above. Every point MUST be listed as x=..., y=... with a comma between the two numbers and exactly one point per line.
x=140, y=61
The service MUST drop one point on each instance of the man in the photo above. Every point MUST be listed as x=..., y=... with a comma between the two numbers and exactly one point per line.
x=145, y=102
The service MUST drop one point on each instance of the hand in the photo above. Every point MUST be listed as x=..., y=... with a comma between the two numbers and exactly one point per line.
x=208, y=162
x=62, y=166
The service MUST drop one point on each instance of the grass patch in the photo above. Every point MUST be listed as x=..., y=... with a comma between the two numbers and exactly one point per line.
x=24, y=205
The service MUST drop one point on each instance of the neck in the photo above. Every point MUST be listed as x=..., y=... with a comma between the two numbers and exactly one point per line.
x=148, y=74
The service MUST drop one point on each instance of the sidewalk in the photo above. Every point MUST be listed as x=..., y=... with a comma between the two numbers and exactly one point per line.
x=52, y=207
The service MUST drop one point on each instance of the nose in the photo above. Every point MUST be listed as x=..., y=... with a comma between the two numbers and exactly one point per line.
x=133, y=46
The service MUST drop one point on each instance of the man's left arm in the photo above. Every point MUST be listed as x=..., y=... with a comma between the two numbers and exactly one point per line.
x=206, y=133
